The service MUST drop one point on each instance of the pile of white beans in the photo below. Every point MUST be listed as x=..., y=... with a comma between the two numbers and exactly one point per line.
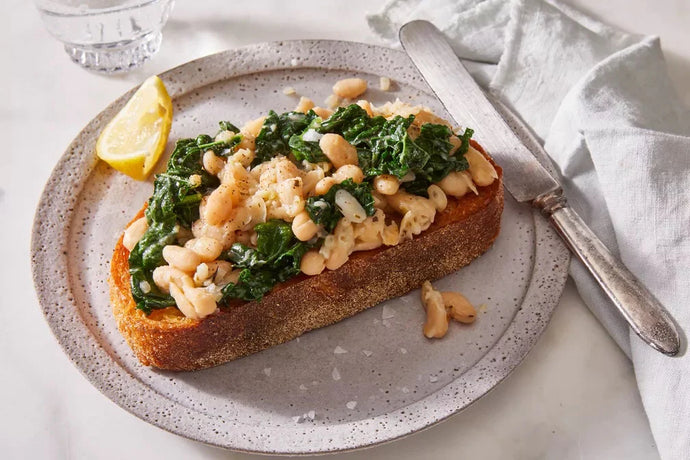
x=441, y=307
x=278, y=189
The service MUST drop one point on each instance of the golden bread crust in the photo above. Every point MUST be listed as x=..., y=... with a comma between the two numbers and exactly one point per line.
x=168, y=340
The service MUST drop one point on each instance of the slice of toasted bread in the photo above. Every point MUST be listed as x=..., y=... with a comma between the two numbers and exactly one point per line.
x=168, y=340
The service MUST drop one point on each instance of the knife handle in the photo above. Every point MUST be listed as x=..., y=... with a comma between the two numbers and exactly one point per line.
x=646, y=316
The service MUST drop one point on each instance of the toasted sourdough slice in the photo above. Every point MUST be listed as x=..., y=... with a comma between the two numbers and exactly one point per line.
x=168, y=340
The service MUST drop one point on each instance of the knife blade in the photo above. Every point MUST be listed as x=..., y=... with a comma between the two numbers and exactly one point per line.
x=528, y=181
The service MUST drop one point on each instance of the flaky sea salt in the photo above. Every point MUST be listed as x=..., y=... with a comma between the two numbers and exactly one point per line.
x=351, y=405
x=433, y=378
x=339, y=350
x=289, y=91
x=267, y=371
x=311, y=414
x=335, y=374
x=386, y=323
x=388, y=312
x=403, y=351
x=367, y=353
x=303, y=387
x=297, y=419
x=405, y=390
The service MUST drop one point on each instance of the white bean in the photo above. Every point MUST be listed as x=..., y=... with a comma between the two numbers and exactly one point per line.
x=218, y=207
x=286, y=169
x=337, y=247
x=337, y=258
x=457, y=184
x=253, y=128
x=402, y=202
x=436, y=324
x=183, y=304
x=164, y=275
x=459, y=307
x=391, y=234
x=312, y=263
x=181, y=258
x=207, y=248
x=322, y=112
x=482, y=171
x=134, y=232
x=243, y=156
x=224, y=136
x=339, y=151
x=386, y=184
x=304, y=105
x=204, y=302
x=348, y=172
x=324, y=185
x=349, y=88
x=437, y=196
x=311, y=179
x=332, y=101
x=212, y=162
x=303, y=227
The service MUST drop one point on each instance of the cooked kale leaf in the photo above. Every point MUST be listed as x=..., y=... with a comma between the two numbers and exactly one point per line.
x=305, y=146
x=227, y=126
x=275, y=134
x=323, y=210
x=433, y=139
x=343, y=118
x=144, y=258
x=385, y=147
x=276, y=258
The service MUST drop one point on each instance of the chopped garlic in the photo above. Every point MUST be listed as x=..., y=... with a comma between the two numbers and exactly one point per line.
x=385, y=83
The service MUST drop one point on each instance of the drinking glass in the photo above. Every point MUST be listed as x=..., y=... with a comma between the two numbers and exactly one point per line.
x=107, y=35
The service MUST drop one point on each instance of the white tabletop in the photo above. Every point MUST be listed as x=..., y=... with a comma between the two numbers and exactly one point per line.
x=574, y=396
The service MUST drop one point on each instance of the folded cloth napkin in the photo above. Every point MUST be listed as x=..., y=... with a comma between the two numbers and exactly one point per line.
x=602, y=102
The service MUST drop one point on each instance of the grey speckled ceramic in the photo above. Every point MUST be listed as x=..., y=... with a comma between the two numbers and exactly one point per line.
x=366, y=380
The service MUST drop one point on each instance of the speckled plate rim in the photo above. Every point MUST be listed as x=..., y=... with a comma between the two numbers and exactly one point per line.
x=51, y=275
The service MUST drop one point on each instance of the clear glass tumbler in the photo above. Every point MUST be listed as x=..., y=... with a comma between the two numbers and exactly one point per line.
x=107, y=35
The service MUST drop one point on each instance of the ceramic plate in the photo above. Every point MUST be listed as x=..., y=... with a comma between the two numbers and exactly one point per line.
x=369, y=379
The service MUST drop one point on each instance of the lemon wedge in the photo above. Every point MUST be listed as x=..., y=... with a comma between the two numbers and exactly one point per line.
x=135, y=138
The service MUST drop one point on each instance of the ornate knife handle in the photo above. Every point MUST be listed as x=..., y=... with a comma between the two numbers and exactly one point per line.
x=647, y=317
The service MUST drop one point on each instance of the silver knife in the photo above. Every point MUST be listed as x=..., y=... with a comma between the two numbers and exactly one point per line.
x=527, y=180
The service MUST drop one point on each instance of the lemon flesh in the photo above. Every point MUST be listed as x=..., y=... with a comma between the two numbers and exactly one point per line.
x=135, y=138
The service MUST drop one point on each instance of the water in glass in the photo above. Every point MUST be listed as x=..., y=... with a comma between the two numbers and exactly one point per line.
x=107, y=35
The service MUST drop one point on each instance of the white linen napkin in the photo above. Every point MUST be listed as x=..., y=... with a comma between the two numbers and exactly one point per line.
x=603, y=104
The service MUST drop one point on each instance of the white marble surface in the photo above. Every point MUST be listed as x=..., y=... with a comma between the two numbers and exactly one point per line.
x=573, y=397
